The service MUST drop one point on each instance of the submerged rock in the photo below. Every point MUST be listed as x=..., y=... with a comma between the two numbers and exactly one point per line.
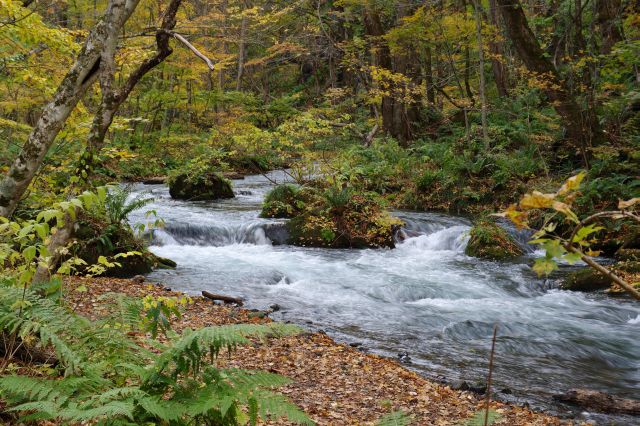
x=202, y=188
x=586, y=279
x=489, y=241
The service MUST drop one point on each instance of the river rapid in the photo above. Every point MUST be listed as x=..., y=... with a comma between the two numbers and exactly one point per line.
x=425, y=298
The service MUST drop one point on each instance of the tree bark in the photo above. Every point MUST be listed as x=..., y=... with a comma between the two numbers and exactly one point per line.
x=101, y=40
x=497, y=65
x=112, y=97
x=579, y=132
x=608, y=12
x=241, y=51
x=483, y=97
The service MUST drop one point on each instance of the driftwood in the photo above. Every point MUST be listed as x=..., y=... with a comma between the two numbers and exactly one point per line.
x=225, y=299
x=154, y=180
x=600, y=401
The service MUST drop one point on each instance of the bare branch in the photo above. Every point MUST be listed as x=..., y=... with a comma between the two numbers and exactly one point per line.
x=192, y=48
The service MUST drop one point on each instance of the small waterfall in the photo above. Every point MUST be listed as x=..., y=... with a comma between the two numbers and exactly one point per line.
x=454, y=238
x=210, y=235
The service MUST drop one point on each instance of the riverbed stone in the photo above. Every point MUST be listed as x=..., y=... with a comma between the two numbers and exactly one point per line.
x=210, y=186
x=487, y=240
x=586, y=279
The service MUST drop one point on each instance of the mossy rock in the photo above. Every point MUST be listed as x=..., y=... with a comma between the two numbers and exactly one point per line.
x=353, y=221
x=94, y=238
x=586, y=279
x=283, y=201
x=487, y=240
x=628, y=254
x=202, y=188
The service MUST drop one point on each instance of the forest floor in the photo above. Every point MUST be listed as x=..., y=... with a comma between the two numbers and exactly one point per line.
x=333, y=383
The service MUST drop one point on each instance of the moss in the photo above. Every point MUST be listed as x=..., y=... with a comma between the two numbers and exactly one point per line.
x=283, y=201
x=489, y=241
x=341, y=219
x=210, y=186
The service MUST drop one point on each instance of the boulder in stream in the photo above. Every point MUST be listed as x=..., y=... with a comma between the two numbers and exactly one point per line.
x=210, y=186
x=489, y=241
x=586, y=279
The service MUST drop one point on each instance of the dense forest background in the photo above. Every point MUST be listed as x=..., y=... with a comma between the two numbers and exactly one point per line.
x=526, y=107
x=450, y=105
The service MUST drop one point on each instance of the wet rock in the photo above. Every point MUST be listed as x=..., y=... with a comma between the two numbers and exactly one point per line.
x=355, y=344
x=585, y=279
x=138, y=279
x=164, y=263
x=489, y=241
x=506, y=391
x=478, y=387
x=275, y=307
x=600, y=401
x=207, y=187
x=404, y=357
x=277, y=233
x=403, y=234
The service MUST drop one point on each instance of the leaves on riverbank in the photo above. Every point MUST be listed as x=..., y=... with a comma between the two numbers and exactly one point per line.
x=333, y=383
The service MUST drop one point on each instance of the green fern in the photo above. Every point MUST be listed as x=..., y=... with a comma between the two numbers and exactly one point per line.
x=111, y=379
x=117, y=206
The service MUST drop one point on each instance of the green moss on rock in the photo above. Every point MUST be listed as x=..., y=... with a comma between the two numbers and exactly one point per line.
x=283, y=201
x=489, y=241
x=210, y=186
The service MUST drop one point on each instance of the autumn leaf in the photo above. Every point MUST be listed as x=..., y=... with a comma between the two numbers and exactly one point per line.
x=571, y=184
x=537, y=200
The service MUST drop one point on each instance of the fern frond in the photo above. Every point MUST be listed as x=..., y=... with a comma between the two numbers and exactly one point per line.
x=188, y=351
x=163, y=410
x=276, y=406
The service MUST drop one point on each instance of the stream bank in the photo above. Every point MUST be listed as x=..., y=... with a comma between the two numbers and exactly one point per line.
x=334, y=383
x=425, y=298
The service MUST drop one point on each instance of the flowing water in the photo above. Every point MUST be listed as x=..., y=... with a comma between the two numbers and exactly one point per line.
x=425, y=297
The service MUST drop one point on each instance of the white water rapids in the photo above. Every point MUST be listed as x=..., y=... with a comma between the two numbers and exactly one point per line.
x=426, y=297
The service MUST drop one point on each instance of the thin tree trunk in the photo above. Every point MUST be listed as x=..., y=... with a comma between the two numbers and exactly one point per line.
x=100, y=42
x=241, y=51
x=483, y=97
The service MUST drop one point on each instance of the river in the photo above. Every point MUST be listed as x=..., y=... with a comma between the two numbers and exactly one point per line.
x=425, y=298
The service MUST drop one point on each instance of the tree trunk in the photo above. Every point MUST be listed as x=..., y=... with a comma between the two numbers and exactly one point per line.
x=579, y=133
x=483, y=97
x=241, y=51
x=497, y=65
x=101, y=41
x=112, y=97
x=608, y=12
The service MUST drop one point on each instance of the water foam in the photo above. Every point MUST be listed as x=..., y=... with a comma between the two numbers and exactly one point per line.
x=454, y=238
